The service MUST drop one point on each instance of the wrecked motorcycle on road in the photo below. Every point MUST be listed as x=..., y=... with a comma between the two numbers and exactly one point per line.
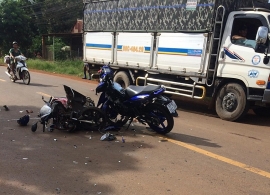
x=68, y=113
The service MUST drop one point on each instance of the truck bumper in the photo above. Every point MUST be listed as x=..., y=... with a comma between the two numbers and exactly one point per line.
x=266, y=96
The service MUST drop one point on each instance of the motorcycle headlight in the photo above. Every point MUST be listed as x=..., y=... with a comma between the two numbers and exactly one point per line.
x=45, y=110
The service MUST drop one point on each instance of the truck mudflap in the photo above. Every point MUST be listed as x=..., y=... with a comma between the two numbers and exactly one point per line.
x=266, y=96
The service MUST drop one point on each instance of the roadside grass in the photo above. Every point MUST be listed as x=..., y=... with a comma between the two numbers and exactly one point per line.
x=69, y=67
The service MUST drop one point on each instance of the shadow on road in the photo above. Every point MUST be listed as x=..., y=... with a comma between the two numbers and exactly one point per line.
x=39, y=85
x=201, y=108
x=49, y=162
x=188, y=139
x=253, y=119
x=192, y=140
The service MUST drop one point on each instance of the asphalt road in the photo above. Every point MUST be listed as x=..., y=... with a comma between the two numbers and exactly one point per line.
x=201, y=155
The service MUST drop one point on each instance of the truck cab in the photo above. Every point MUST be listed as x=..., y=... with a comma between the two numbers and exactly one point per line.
x=243, y=64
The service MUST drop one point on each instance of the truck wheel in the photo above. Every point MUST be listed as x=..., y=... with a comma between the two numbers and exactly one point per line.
x=231, y=102
x=261, y=111
x=122, y=78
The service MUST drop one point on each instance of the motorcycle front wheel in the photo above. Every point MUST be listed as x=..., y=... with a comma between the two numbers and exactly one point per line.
x=159, y=119
x=26, y=77
x=114, y=118
x=12, y=79
x=93, y=118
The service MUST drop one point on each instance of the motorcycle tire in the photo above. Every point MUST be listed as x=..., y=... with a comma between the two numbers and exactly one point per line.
x=95, y=119
x=159, y=119
x=26, y=77
x=114, y=118
x=12, y=79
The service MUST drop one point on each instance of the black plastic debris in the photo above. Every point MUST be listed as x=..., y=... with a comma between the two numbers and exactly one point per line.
x=6, y=108
x=23, y=121
x=34, y=127
x=107, y=137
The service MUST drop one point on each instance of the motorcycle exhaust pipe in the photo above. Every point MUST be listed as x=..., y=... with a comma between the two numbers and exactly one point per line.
x=7, y=73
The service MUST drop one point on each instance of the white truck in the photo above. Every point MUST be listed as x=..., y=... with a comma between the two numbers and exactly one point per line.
x=196, y=48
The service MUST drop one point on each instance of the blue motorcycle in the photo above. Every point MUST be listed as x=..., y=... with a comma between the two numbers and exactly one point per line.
x=143, y=103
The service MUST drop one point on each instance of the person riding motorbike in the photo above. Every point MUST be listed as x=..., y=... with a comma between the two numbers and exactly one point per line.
x=13, y=52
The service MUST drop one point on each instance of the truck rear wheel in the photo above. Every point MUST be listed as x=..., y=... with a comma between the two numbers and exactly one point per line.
x=122, y=78
x=231, y=102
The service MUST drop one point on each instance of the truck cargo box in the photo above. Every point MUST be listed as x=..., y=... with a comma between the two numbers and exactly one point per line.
x=155, y=15
x=180, y=52
x=97, y=47
x=133, y=49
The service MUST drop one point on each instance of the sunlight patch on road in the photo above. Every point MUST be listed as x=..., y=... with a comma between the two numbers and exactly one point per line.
x=220, y=158
x=43, y=94
x=19, y=186
x=2, y=80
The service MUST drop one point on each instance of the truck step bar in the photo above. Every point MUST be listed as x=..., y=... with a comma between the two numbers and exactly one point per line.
x=215, y=41
x=187, y=90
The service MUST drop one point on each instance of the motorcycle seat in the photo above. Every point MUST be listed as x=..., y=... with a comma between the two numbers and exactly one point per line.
x=133, y=90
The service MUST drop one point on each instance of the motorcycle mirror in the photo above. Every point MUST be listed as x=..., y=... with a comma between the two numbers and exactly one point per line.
x=42, y=98
x=34, y=127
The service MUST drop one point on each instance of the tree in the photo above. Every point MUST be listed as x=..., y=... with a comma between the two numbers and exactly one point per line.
x=57, y=16
x=15, y=25
x=26, y=20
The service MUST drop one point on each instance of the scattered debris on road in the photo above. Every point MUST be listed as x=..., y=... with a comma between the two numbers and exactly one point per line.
x=107, y=137
x=58, y=190
x=29, y=111
x=6, y=108
x=23, y=121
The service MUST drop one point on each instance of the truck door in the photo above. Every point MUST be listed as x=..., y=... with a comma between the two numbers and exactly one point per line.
x=240, y=59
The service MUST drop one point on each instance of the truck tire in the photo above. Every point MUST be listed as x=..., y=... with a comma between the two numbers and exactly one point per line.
x=262, y=111
x=122, y=78
x=231, y=102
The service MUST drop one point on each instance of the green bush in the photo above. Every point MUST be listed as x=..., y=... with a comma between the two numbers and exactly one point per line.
x=74, y=67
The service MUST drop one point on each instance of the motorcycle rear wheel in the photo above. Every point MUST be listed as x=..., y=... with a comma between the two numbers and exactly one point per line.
x=159, y=119
x=95, y=119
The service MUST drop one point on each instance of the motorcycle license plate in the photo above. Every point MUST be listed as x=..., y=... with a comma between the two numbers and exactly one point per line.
x=172, y=106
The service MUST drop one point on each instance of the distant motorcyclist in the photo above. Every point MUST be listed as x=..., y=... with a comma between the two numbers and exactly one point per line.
x=13, y=52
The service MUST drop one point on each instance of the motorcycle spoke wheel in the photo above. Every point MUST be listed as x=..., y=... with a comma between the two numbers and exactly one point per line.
x=119, y=121
x=26, y=77
x=95, y=119
x=159, y=119
x=114, y=118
